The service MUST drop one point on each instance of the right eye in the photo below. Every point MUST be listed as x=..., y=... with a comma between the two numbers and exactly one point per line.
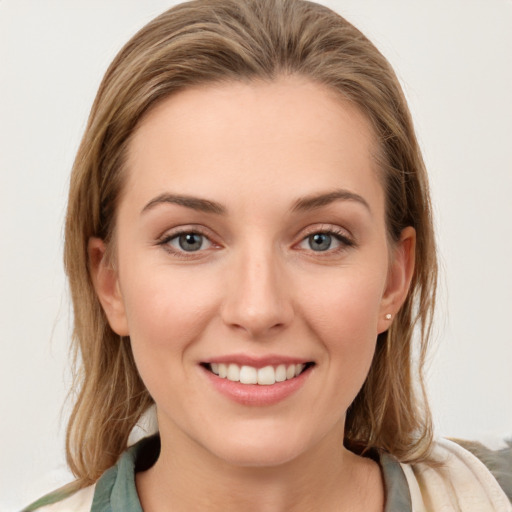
x=189, y=241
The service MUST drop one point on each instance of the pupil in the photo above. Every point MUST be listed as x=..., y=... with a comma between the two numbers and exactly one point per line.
x=190, y=241
x=320, y=241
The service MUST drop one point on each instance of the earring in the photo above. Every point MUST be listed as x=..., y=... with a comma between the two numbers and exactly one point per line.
x=388, y=316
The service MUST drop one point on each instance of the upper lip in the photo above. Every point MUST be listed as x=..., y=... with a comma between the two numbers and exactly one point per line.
x=257, y=361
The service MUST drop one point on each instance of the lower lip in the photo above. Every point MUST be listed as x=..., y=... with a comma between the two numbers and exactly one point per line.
x=255, y=394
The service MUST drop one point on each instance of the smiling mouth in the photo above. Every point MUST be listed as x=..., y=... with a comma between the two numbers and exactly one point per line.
x=266, y=376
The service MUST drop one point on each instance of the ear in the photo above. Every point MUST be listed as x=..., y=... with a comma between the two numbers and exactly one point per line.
x=106, y=284
x=400, y=274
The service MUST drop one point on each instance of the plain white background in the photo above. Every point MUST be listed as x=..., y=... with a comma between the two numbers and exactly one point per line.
x=454, y=60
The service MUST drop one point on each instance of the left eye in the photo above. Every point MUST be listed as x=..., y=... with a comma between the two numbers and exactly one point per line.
x=323, y=241
x=189, y=242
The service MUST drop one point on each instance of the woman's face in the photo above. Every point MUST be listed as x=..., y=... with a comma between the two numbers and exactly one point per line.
x=251, y=241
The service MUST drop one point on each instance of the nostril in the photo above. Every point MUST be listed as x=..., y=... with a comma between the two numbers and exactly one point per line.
x=256, y=297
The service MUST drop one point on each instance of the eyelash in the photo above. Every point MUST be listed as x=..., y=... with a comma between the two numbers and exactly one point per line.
x=167, y=238
x=339, y=235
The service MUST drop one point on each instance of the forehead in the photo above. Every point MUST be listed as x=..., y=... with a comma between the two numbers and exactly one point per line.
x=291, y=136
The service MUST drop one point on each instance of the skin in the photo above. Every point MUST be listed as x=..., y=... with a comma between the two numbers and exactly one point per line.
x=256, y=287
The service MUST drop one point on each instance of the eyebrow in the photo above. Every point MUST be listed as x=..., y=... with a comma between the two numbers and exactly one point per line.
x=318, y=200
x=195, y=203
x=302, y=204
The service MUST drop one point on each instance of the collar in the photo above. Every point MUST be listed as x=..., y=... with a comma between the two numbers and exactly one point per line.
x=116, y=490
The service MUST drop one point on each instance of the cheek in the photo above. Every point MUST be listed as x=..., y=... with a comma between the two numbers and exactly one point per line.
x=167, y=311
x=345, y=318
x=346, y=306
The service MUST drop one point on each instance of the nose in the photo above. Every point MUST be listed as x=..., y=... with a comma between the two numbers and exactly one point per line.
x=258, y=299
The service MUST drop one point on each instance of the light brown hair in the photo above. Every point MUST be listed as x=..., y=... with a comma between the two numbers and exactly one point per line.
x=206, y=41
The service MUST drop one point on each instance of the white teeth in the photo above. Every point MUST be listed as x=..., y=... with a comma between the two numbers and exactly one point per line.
x=281, y=373
x=223, y=370
x=248, y=375
x=233, y=372
x=265, y=376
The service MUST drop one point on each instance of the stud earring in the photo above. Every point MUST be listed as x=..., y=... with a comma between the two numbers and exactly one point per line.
x=388, y=316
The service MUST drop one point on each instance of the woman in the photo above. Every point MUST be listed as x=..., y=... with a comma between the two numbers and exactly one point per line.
x=249, y=245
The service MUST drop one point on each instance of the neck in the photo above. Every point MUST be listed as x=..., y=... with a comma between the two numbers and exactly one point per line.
x=327, y=477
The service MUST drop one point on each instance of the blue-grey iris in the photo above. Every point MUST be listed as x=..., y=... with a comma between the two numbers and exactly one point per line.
x=320, y=241
x=190, y=241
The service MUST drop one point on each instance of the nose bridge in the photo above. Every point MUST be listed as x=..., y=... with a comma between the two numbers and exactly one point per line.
x=257, y=299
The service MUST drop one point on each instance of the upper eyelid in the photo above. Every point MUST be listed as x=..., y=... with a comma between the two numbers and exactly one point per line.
x=177, y=231
x=325, y=228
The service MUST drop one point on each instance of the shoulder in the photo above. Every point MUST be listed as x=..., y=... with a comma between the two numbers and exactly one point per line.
x=114, y=490
x=497, y=457
x=65, y=499
x=462, y=476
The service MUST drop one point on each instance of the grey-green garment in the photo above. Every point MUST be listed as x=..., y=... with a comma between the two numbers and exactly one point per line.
x=115, y=491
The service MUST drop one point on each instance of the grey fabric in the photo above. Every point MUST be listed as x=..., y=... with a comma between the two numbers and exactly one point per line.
x=115, y=490
x=398, y=497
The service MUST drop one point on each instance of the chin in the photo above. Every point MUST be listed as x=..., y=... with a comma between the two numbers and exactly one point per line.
x=258, y=457
x=259, y=449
